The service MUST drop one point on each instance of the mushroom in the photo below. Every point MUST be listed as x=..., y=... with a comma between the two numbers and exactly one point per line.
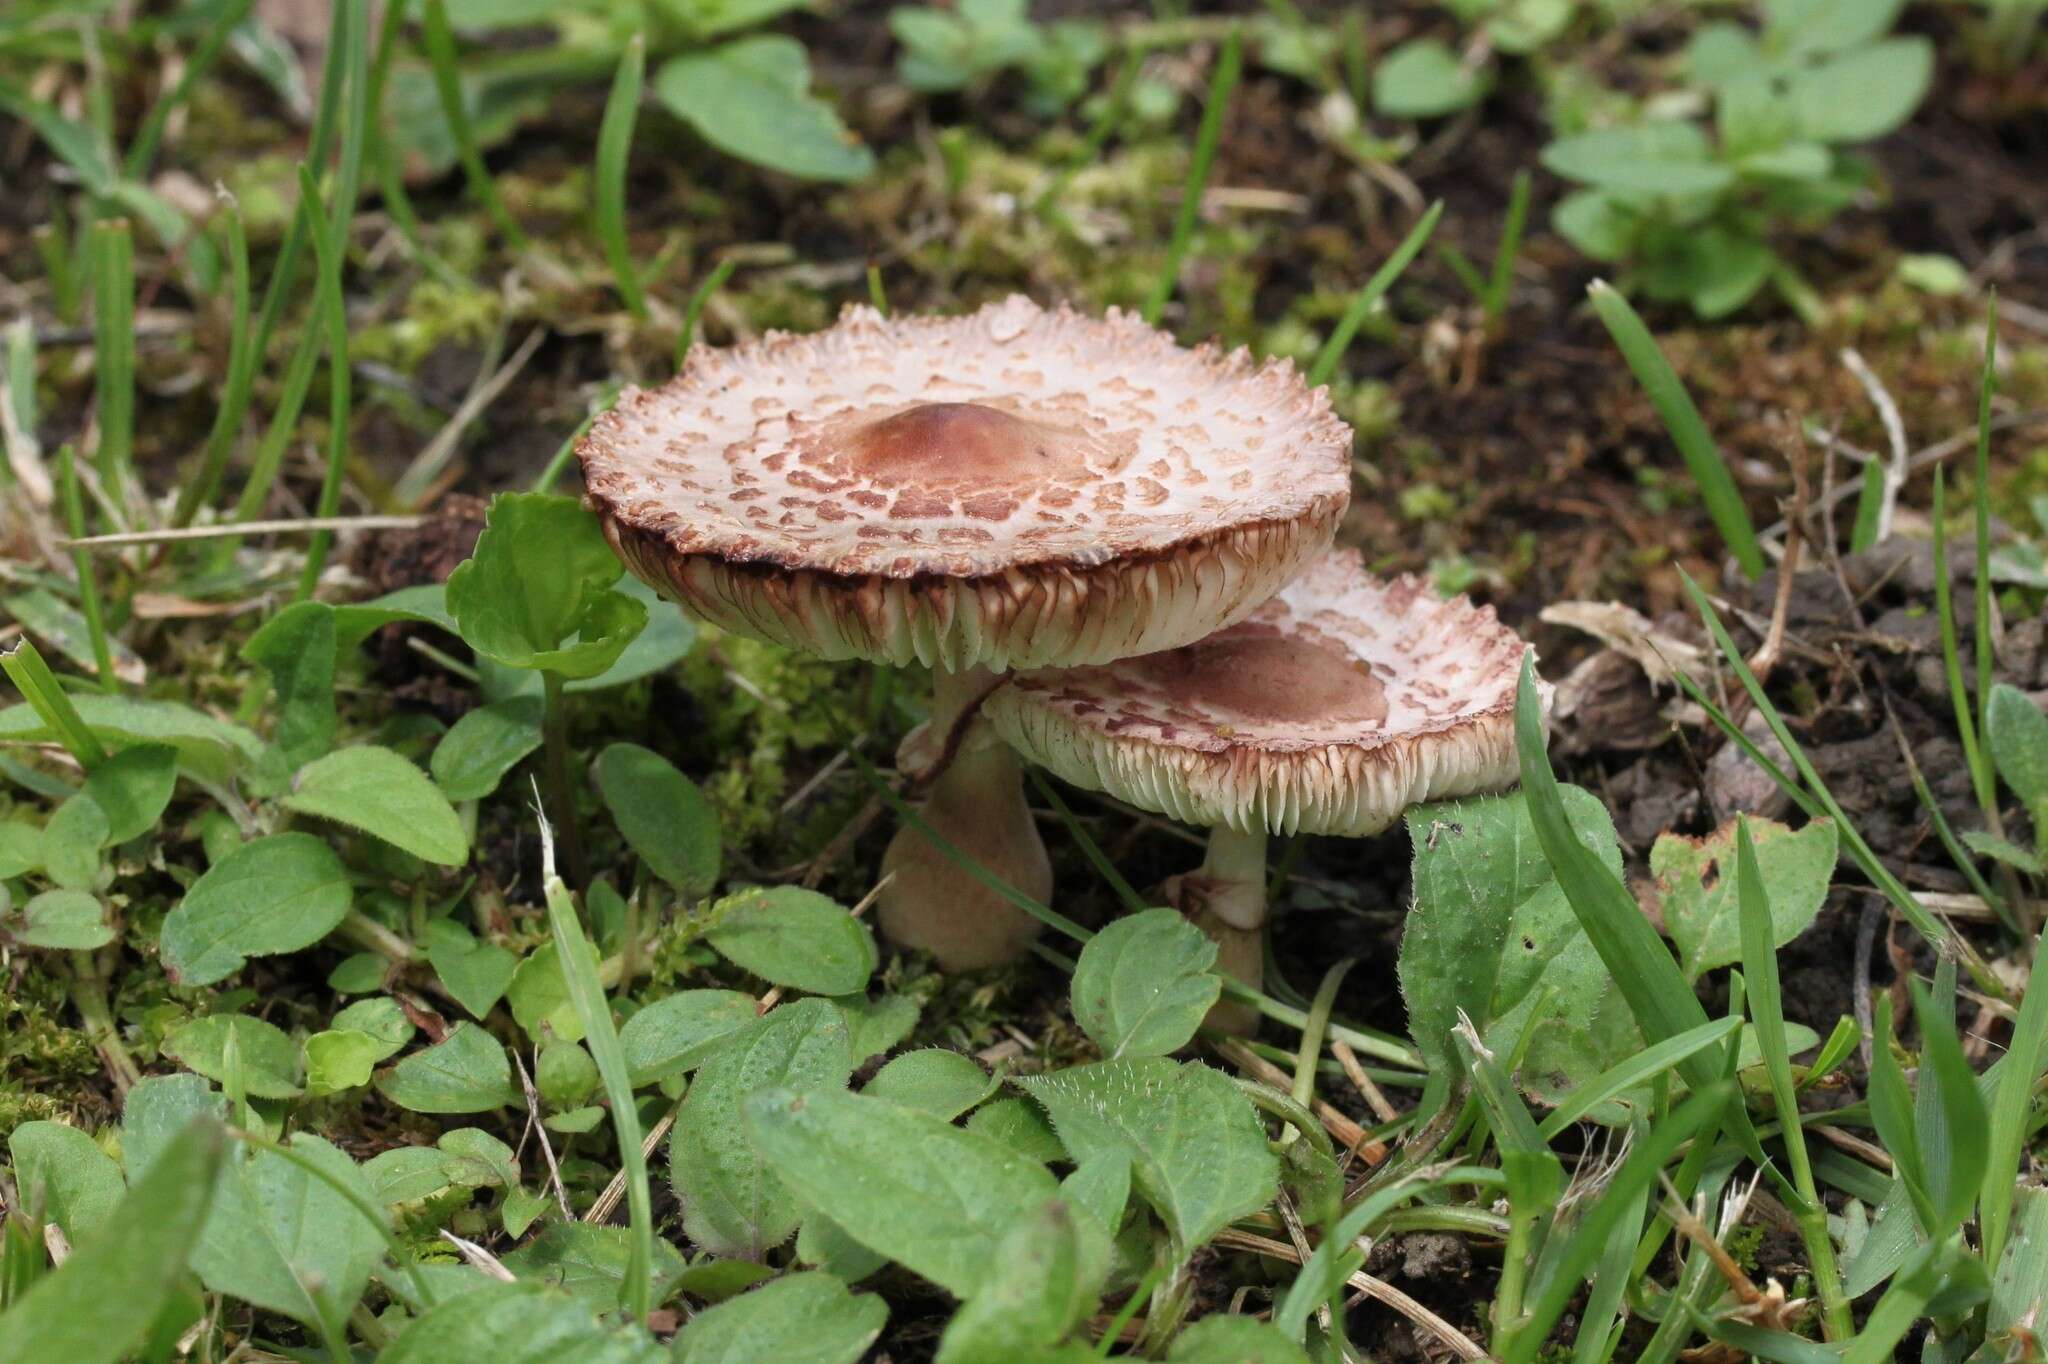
x=1015, y=488
x=1329, y=710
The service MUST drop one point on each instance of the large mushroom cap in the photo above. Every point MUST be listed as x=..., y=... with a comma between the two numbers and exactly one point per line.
x=1331, y=709
x=1013, y=488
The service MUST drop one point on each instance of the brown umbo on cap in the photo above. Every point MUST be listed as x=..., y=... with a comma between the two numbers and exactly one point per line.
x=1331, y=709
x=1013, y=488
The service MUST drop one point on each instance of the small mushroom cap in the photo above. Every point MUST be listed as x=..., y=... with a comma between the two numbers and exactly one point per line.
x=1331, y=709
x=1016, y=487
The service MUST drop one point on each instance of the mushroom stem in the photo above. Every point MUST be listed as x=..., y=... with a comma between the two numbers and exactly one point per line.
x=1226, y=899
x=976, y=805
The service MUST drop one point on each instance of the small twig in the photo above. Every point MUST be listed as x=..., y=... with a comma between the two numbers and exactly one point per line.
x=1927, y=458
x=479, y=1258
x=1766, y=657
x=1343, y=1128
x=1363, y=1083
x=301, y=525
x=1380, y=1291
x=539, y=1129
x=608, y=1202
x=1895, y=434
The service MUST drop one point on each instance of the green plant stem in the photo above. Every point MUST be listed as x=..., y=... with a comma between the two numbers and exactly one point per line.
x=1221, y=84
x=878, y=297
x=142, y=151
x=1981, y=773
x=88, y=579
x=327, y=268
x=31, y=676
x=1312, y=1035
x=1501, y=283
x=561, y=792
x=89, y=997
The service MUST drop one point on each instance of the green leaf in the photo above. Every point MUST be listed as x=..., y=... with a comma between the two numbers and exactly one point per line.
x=519, y=1323
x=1022, y=1126
x=1233, y=1340
x=477, y=973
x=2019, y=1290
x=467, y=1072
x=269, y=1057
x=1144, y=983
x=733, y=1202
x=797, y=1319
x=536, y=593
x=933, y=1197
x=474, y=756
x=678, y=1032
x=63, y=1172
x=1827, y=25
x=284, y=1240
x=664, y=643
x=132, y=788
x=751, y=98
x=297, y=648
x=590, y=1263
x=64, y=919
x=2018, y=739
x=212, y=748
x=72, y=841
x=98, y=1307
x=1696, y=887
x=2003, y=850
x=1959, y=1127
x=663, y=816
x=1492, y=935
x=796, y=938
x=1865, y=93
x=21, y=849
x=1040, y=1293
x=1423, y=78
x=1645, y=158
x=379, y=792
x=942, y=1083
x=156, y=1111
x=876, y=1025
x=276, y=894
x=357, y=1038
x=1195, y=1143
x=539, y=995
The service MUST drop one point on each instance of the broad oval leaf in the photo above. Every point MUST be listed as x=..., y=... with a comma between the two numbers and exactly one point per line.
x=63, y=1172
x=1198, y=1152
x=467, y=1072
x=65, y=919
x=277, y=894
x=805, y=1318
x=1234, y=1340
x=933, y=1080
x=933, y=1197
x=379, y=792
x=132, y=788
x=733, y=1203
x=663, y=816
x=1863, y=93
x=2017, y=731
x=1646, y=158
x=285, y=1240
x=677, y=1034
x=796, y=938
x=1423, y=78
x=1041, y=1292
x=590, y=1263
x=1696, y=887
x=474, y=756
x=1144, y=983
x=519, y=1323
x=751, y=99
x=537, y=590
x=269, y=1058
x=297, y=648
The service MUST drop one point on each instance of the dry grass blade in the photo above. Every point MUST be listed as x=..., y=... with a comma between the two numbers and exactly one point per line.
x=1378, y=1290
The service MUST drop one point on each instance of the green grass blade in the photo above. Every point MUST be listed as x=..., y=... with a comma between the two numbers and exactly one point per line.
x=1640, y=964
x=1110, y=118
x=241, y=374
x=1951, y=653
x=1571, y=1254
x=1767, y=1010
x=2011, y=1106
x=1222, y=82
x=1869, y=508
x=1600, y=1319
x=1090, y=849
x=713, y=282
x=1891, y=1110
x=1639, y=1069
x=1682, y=419
x=878, y=297
x=88, y=580
x=1943, y=940
x=1362, y=302
x=586, y=992
x=113, y=328
x=441, y=57
x=1959, y=1119
x=291, y=400
x=38, y=686
x=1987, y=794
x=614, y=147
x=277, y=295
x=142, y=151
x=327, y=271
x=1502, y=281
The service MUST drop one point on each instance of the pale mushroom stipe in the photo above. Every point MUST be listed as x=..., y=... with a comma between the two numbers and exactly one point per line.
x=1015, y=488
x=1329, y=710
